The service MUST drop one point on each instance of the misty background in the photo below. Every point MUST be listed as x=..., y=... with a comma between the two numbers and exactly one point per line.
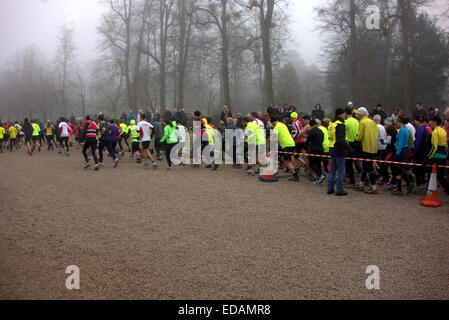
x=64, y=57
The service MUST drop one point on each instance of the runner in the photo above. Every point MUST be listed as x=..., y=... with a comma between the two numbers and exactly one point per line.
x=352, y=131
x=145, y=128
x=299, y=140
x=135, y=141
x=368, y=136
x=124, y=134
x=12, y=137
x=64, y=136
x=314, y=146
x=287, y=145
x=402, y=172
x=256, y=120
x=28, y=132
x=35, y=136
x=337, y=149
x=171, y=135
x=50, y=135
x=439, y=149
x=106, y=141
x=90, y=134
x=2, y=136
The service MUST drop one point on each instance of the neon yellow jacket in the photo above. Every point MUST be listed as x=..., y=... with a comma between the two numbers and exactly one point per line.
x=368, y=135
x=326, y=139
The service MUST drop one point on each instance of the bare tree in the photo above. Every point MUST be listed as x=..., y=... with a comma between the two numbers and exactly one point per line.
x=65, y=63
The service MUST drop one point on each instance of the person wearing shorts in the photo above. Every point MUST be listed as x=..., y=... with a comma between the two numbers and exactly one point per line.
x=287, y=146
x=28, y=132
x=35, y=136
x=134, y=137
x=144, y=128
x=64, y=136
x=12, y=137
x=91, y=142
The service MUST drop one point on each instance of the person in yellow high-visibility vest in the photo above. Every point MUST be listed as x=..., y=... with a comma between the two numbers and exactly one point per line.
x=337, y=148
x=210, y=131
x=255, y=139
x=124, y=134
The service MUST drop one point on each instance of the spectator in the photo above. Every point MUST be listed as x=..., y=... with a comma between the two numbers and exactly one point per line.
x=225, y=114
x=318, y=113
x=395, y=114
x=380, y=111
x=168, y=116
x=182, y=117
x=419, y=112
x=131, y=116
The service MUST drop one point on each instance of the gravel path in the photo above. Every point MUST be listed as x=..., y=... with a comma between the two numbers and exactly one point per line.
x=197, y=234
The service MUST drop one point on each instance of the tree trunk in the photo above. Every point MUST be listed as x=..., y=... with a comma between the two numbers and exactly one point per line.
x=404, y=8
x=225, y=88
x=184, y=46
x=265, y=23
x=354, y=61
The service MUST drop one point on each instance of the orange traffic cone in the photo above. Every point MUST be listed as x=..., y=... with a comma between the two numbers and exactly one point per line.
x=431, y=200
x=267, y=174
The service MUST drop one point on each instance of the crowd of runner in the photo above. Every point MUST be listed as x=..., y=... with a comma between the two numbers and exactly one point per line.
x=311, y=145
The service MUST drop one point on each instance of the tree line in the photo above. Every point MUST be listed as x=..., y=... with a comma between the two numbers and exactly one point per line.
x=207, y=54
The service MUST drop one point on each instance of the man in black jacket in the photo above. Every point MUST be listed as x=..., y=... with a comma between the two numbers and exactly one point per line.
x=338, y=148
x=380, y=111
x=28, y=131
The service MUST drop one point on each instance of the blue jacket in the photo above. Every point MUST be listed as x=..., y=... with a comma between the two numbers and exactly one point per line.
x=402, y=140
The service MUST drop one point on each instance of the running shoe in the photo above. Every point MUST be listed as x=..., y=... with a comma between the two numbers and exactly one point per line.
x=294, y=179
x=397, y=193
x=371, y=191
x=358, y=188
x=87, y=166
x=146, y=164
x=155, y=166
x=321, y=180
x=115, y=163
x=97, y=167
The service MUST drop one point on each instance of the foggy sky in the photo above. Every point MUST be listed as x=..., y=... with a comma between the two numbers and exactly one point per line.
x=26, y=22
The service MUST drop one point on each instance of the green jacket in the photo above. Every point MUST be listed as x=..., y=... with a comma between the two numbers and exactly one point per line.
x=170, y=133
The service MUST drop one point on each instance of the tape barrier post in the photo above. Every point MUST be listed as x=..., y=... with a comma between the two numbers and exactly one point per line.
x=431, y=200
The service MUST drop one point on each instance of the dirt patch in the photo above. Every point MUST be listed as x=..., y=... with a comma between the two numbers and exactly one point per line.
x=197, y=234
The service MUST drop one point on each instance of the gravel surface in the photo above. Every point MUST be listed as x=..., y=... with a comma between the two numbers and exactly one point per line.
x=197, y=234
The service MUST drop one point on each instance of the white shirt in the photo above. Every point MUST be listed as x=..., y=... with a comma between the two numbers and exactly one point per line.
x=65, y=129
x=382, y=136
x=259, y=123
x=145, y=130
x=182, y=134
